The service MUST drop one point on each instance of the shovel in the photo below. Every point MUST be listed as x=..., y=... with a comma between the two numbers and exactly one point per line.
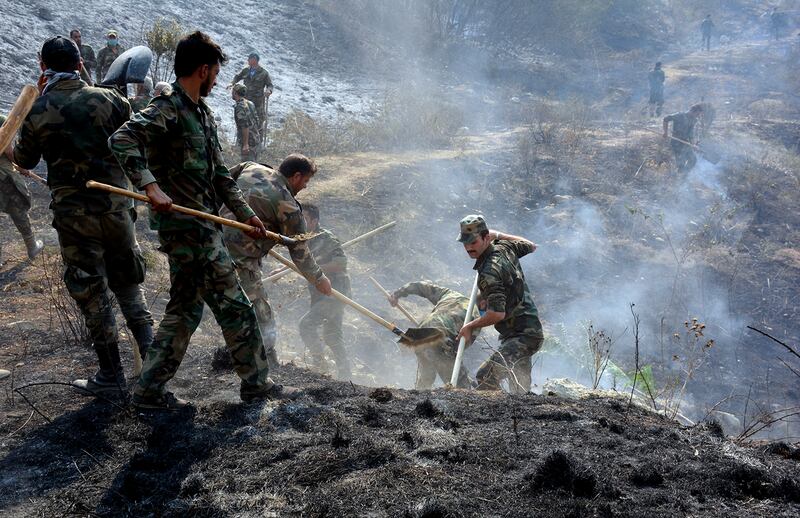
x=711, y=156
x=414, y=337
x=462, y=342
x=280, y=238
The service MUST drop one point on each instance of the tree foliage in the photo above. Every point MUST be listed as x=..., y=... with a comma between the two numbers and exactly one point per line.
x=162, y=38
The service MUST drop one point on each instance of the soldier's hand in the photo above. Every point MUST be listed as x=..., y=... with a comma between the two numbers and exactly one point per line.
x=466, y=333
x=323, y=285
x=41, y=83
x=392, y=300
x=245, y=149
x=158, y=199
x=229, y=86
x=260, y=232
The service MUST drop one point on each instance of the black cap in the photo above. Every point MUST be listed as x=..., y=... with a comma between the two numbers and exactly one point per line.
x=61, y=54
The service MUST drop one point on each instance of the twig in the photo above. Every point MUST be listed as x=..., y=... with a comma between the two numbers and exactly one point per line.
x=21, y=427
x=788, y=347
x=636, y=356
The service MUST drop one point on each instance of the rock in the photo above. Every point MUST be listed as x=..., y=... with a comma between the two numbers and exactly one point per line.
x=731, y=425
x=45, y=14
x=328, y=99
x=381, y=395
x=4, y=374
x=569, y=389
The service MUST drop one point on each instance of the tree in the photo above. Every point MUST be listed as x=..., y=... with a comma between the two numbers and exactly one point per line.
x=162, y=39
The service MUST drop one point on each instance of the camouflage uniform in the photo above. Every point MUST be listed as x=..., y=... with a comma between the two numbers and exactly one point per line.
x=105, y=57
x=268, y=194
x=139, y=103
x=502, y=285
x=256, y=80
x=327, y=312
x=15, y=199
x=682, y=128
x=69, y=126
x=89, y=62
x=177, y=139
x=244, y=113
x=656, y=79
x=448, y=314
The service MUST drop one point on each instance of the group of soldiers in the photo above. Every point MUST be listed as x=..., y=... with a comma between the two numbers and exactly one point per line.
x=170, y=150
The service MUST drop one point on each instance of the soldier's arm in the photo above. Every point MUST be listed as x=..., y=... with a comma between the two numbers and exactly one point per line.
x=27, y=151
x=268, y=86
x=424, y=289
x=89, y=59
x=492, y=290
x=520, y=245
x=238, y=77
x=129, y=143
x=291, y=222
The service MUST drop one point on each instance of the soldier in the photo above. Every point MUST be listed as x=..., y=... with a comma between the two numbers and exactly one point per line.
x=108, y=54
x=87, y=56
x=706, y=28
x=508, y=303
x=683, y=129
x=656, y=79
x=448, y=314
x=247, y=127
x=143, y=96
x=259, y=87
x=271, y=195
x=326, y=312
x=69, y=125
x=15, y=200
x=173, y=145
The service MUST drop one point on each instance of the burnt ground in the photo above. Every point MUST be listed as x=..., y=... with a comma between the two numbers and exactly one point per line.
x=345, y=450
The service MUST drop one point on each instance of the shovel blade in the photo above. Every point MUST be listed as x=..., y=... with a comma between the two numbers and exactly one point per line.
x=421, y=336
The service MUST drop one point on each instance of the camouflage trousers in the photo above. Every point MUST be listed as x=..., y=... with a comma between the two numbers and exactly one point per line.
x=512, y=362
x=249, y=270
x=15, y=200
x=260, y=103
x=101, y=256
x=438, y=359
x=201, y=271
x=326, y=314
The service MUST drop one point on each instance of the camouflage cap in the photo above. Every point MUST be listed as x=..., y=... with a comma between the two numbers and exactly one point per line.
x=471, y=228
x=111, y=33
x=239, y=89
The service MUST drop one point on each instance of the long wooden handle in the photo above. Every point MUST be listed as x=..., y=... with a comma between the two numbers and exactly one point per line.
x=674, y=138
x=399, y=306
x=341, y=297
x=17, y=115
x=30, y=174
x=473, y=296
x=284, y=270
x=191, y=212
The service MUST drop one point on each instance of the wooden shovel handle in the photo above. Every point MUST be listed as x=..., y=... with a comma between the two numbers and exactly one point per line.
x=403, y=310
x=341, y=297
x=17, y=115
x=191, y=212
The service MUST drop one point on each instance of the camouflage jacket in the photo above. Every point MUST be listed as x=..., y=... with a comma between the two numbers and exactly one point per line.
x=267, y=192
x=656, y=79
x=174, y=141
x=139, y=102
x=89, y=60
x=450, y=307
x=69, y=126
x=105, y=57
x=256, y=82
x=682, y=126
x=244, y=113
x=502, y=285
x=327, y=251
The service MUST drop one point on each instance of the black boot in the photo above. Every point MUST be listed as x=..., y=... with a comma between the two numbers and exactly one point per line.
x=110, y=379
x=143, y=334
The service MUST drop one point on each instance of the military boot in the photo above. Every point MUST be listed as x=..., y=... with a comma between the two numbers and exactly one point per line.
x=143, y=334
x=33, y=245
x=109, y=381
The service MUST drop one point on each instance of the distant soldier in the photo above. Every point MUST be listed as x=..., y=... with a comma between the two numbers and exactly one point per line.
x=15, y=200
x=448, y=315
x=69, y=125
x=247, y=127
x=656, y=79
x=776, y=23
x=706, y=28
x=271, y=195
x=173, y=145
x=144, y=93
x=87, y=56
x=108, y=54
x=683, y=125
x=326, y=313
x=508, y=304
x=259, y=87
